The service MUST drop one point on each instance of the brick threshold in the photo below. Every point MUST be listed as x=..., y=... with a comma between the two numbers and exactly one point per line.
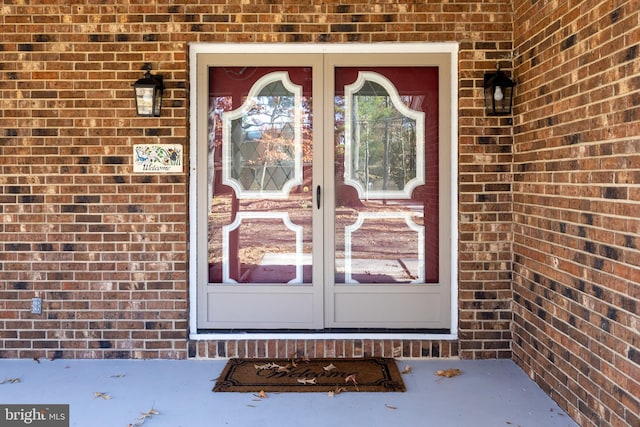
x=215, y=346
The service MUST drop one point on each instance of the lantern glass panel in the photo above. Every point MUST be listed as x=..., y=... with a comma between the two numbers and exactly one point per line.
x=157, y=104
x=145, y=100
x=498, y=94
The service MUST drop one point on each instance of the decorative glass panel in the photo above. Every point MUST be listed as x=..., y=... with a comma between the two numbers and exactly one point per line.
x=259, y=176
x=262, y=140
x=384, y=140
x=373, y=229
x=386, y=171
x=285, y=258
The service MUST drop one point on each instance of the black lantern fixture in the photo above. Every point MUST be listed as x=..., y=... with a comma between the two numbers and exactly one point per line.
x=498, y=93
x=148, y=94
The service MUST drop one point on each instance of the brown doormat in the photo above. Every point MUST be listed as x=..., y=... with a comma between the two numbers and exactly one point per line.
x=320, y=375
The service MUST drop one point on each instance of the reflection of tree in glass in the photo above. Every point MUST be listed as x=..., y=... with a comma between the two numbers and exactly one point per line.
x=384, y=143
x=270, y=121
x=270, y=124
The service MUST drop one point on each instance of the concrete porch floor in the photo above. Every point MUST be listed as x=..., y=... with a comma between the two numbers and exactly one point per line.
x=491, y=393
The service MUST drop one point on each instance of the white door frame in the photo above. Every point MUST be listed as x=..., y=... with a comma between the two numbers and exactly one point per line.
x=452, y=109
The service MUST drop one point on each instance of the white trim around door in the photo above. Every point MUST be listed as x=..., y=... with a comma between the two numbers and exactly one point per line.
x=451, y=50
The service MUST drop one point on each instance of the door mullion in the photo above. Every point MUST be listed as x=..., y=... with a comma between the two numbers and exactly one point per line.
x=328, y=240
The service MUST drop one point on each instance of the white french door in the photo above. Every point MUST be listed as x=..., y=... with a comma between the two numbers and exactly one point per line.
x=323, y=191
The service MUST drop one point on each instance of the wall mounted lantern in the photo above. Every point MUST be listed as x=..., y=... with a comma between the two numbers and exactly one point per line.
x=498, y=93
x=148, y=94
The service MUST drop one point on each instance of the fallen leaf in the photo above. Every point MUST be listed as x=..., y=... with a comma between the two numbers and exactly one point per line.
x=267, y=366
x=330, y=367
x=352, y=378
x=11, y=381
x=305, y=381
x=143, y=417
x=337, y=390
x=390, y=407
x=297, y=357
x=407, y=369
x=105, y=396
x=448, y=373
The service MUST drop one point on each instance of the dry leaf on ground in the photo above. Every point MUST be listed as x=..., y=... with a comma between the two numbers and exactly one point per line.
x=105, y=396
x=305, y=381
x=352, y=379
x=143, y=417
x=407, y=369
x=337, y=390
x=11, y=381
x=448, y=373
x=330, y=367
x=390, y=407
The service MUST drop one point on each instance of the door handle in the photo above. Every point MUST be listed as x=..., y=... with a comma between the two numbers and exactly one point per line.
x=318, y=196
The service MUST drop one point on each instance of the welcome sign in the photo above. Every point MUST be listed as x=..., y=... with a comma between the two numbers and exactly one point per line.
x=157, y=158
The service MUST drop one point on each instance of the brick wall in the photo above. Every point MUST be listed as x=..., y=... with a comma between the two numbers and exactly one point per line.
x=576, y=205
x=107, y=249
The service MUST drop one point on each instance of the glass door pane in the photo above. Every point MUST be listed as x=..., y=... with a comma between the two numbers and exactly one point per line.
x=386, y=174
x=386, y=217
x=260, y=150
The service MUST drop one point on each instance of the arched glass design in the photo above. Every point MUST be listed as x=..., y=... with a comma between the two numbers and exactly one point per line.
x=259, y=175
x=384, y=140
x=262, y=140
x=386, y=170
